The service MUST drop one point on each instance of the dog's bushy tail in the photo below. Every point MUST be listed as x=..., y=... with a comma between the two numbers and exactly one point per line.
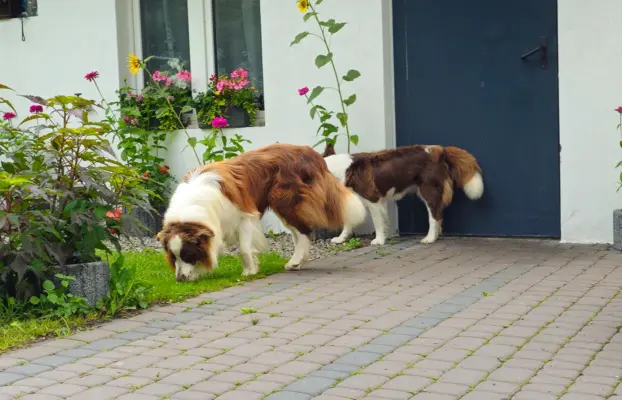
x=465, y=171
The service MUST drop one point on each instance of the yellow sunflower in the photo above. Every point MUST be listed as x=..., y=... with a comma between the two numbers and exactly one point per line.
x=302, y=5
x=133, y=64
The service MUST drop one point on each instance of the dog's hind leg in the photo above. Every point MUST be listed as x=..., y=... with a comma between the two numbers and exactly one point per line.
x=433, y=199
x=380, y=217
x=345, y=235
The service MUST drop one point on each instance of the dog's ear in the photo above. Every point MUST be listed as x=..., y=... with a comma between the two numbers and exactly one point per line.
x=204, y=234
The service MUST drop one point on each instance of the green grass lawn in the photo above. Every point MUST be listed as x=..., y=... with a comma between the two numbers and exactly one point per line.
x=151, y=268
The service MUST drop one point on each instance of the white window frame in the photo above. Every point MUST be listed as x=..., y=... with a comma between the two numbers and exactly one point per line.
x=201, y=44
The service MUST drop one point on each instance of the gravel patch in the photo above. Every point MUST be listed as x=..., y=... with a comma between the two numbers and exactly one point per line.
x=280, y=243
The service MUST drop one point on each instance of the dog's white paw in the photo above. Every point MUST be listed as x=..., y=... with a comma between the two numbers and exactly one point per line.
x=337, y=240
x=293, y=265
x=428, y=240
x=250, y=272
x=378, y=241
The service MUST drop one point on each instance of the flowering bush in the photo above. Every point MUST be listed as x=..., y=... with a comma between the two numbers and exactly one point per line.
x=225, y=92
x=59, y=181
x=161, y=103
x=327, y=28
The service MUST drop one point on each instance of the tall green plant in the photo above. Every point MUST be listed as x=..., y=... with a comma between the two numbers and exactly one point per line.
x=325, y=30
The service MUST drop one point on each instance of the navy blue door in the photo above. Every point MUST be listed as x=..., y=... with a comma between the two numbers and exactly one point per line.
x=460, y=80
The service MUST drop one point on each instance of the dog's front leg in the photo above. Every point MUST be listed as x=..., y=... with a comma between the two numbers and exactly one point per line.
x=250, y=265
x=301, y=251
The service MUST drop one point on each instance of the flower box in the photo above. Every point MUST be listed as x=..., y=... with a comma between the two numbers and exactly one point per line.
x=237, y=117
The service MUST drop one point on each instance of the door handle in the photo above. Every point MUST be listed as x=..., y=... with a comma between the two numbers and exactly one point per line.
x=544, y=52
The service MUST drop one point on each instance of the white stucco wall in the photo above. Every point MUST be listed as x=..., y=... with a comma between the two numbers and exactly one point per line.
x=590, y=87
x=65, y=41
x=61, y=46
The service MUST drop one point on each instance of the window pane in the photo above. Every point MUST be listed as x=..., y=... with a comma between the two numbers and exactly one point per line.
x=164, y=26
x=237, y=32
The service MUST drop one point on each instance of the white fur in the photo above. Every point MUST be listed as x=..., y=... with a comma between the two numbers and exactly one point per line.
x=302, y=247
x=201, y=200
x=474, y=188
x=338, y=164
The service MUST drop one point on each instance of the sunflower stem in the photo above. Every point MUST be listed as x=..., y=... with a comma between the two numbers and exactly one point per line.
x=332, y=64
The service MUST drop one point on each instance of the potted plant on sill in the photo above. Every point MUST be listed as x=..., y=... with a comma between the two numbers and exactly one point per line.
x=61, y=189
x=232, y=97
x=164, y=104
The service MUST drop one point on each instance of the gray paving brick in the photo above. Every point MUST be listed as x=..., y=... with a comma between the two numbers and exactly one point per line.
x=28, y=369
x=390, y=339
x=376, y=348
x=77, y=353
x=105, y=344
x=284, y=395
x=310, y=385
x=358, y=358
x=53, y=361
x=421, y=322
x=63, y=390
x=6, y=378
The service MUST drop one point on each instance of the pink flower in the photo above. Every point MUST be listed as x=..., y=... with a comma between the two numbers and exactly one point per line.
x=219, y=122
x=9, y=116
x=36, y=108
x=126, y=119
x=159, y=77
x=139, y=98
x=303, y=91
x=170, y=98
x=130, y=94
x=221, y=85
x=184, y=76
x=212, y=78
x=239, y=73
x=619, y=109
x=168, y=82
x=91, y=76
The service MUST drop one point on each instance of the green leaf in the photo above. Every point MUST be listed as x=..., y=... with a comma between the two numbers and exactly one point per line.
x=350, y=100
x=299, y=37
x=308, y=15
x=48, y=285
x=315, y=93
x=100, y=211
x=192, y=142
x=351, y=75
x=322, y=60
x=34, y=300
x=185, y=109
x=53, y=298
x=5, y=87
x=318, y=2
x=65, y=284
x=336, y=27
x=328, y=129
x=343, y=118
x=354, y=139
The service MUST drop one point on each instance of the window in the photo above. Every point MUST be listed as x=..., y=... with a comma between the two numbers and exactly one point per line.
x=18, y=8
x=164, y=33
x=237, y=39
x=217, y=35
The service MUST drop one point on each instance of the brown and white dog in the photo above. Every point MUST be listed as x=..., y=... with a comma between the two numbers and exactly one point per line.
x=224, y=201
x=388, y=175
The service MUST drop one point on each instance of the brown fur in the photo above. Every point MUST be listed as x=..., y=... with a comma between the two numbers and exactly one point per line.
x=432, y=173
x=293, y=181
x=196, y=242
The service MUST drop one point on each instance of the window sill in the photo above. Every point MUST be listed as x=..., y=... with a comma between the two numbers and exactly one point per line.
x=260, y=121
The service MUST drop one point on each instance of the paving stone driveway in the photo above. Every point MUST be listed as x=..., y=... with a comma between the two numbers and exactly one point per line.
x=470, y=319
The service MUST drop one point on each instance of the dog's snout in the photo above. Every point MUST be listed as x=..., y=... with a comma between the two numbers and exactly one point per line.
x=181, y=278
